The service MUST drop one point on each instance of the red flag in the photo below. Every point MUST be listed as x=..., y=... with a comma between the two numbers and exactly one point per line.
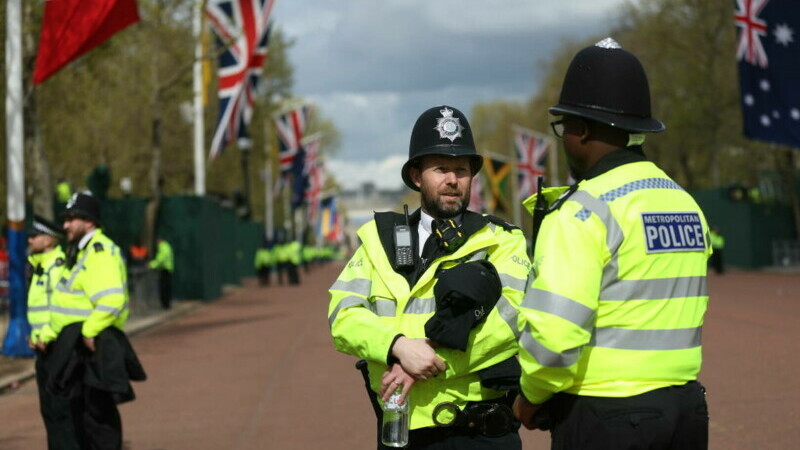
x=73, y=27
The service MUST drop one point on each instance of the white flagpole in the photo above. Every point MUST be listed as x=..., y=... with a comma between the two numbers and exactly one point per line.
x=199, y=125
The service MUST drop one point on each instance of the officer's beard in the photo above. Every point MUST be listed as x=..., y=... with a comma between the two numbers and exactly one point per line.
x=438, y=209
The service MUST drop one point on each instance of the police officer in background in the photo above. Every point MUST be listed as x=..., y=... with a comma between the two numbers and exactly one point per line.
x=611, y=323
x=429, y=299
x=47, y=262
x=91, y=295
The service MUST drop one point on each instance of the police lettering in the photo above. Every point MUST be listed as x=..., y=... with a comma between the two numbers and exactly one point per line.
x=673, y=232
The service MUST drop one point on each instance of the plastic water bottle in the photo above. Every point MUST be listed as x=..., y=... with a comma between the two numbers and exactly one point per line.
x=394, y=429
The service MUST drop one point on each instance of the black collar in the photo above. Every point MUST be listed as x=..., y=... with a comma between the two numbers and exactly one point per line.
x=615, y=159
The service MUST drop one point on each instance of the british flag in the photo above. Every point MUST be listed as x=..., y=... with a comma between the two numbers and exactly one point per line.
x=316, y=178
x=291, y=128
x=532, y=152
x=242, y=28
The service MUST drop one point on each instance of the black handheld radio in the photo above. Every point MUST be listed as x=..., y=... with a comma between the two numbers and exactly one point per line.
x=403, y=247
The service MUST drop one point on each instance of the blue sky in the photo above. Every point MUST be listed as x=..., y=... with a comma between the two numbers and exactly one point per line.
x=374, y=66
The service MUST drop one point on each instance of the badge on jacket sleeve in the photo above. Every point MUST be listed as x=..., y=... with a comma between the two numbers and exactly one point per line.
x=673, y=232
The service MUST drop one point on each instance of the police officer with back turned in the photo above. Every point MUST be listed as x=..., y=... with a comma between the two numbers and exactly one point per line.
x=611, y=321
x=429, y=299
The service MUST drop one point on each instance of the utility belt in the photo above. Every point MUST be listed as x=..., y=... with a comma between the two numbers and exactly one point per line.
x=491, y=418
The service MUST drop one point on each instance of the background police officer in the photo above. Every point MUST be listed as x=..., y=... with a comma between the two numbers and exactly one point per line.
x=92, y=293
x=384, y=299
x=610, y=326
x=47, y=263
x=164, y=263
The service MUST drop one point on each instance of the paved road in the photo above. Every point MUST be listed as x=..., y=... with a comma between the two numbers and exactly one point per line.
x=256, y=370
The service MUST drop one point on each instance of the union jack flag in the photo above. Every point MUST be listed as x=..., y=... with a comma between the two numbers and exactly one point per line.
x=316, y=178
x=242, y=26
x=753, y=29
x=291, y=127
x=532, y=153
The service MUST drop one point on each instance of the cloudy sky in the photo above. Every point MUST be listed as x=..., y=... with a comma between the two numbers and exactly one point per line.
x=372, y=66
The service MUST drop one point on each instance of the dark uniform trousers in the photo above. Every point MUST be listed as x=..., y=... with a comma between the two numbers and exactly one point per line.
x=165, y=288
x=58, y=412
x=670, y=418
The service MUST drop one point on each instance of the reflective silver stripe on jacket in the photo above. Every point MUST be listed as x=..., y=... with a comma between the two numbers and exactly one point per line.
x=34, y=309
x=417, y=305
x=110, y=310
x=383, y=307
x=560, y=306
x=626, y=339
x=545, y=356
x=347, y=302
x=77, y=269
x=71, y=311
x=636, y=185
x=509, y=314
x=38, y=325
x=356, y=285
x=655, y=289
x=513, y=282
x=60, y=287
x=105, y=292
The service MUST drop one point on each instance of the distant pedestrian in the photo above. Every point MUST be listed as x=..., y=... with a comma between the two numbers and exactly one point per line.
x=164, y=263
x=264, y=261
x=718, y=245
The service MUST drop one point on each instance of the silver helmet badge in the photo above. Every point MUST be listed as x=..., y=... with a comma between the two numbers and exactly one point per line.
x=448, y=126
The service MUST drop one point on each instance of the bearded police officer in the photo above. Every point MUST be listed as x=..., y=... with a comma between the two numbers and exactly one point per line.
x=91, y=297
x=429, y=299
x=47, y=263
x=610, y=325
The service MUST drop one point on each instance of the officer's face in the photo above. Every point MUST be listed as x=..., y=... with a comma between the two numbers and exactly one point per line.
x=444, y=184
x=76, y=228
x=39, y=243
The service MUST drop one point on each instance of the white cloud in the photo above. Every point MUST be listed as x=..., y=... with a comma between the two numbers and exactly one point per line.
x=352, y=173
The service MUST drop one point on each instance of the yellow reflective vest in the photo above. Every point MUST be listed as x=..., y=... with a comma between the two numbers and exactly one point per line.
x=47, y=269
x=164, y=258
x=617, y=292
x=264, y=258
x=94, y=290
x=371, y=304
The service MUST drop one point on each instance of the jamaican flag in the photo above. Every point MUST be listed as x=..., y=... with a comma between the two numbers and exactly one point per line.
x=498, y=174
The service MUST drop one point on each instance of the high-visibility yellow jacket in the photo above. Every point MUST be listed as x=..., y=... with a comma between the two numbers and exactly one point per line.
x=617, y=292
x=164, y=258
x=292, y=250
x=94, y=290
x=717, y=240
x=371, y=304
x=47, y=269
x=264, y=258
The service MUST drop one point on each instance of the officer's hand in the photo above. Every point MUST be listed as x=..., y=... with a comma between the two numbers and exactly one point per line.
x=418, y=358
x=89, y=343
x=524, y=411
x=30, y=344
x=41, y=346
x=394, y=377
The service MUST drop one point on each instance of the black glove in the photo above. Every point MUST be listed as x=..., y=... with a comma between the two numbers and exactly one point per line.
x=464, y=295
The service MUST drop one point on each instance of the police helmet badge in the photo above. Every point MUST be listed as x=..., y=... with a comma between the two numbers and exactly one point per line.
x=448, y=126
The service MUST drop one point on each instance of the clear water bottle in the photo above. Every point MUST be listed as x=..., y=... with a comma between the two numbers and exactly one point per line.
x=394, y=429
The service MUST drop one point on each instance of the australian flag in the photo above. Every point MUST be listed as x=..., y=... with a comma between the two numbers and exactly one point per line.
x=768, y=51
x=242, y=28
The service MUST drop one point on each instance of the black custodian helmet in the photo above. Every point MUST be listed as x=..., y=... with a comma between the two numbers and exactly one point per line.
x=608, y=84
x=441, y=130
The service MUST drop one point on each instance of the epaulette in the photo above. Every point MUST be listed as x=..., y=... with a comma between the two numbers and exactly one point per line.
x=98, y=246
x=498, y=221
x=60, y=261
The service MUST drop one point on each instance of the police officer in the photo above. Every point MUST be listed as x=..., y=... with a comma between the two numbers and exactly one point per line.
x=92, y=294
x=384, y=300
x=47, y=263
x=264, y=260
x=164, y=263
x=610, y=326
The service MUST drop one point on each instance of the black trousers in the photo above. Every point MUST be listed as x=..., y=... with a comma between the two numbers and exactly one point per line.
x=671, y=418
x=165, y=288
x=264, y=275
x=58, y=412
x=292, y=272
x=437, y=438
x=717, y=262
x=99, y=422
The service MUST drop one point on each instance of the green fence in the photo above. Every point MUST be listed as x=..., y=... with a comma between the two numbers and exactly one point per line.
x=749, y=228
x=212, y=246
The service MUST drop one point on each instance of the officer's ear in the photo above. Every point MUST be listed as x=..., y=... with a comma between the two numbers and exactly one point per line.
x=416, y=175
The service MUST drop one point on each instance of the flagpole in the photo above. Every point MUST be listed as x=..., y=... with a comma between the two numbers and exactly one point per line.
x=268, y=223
x=199, y=125
x=15, y=343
